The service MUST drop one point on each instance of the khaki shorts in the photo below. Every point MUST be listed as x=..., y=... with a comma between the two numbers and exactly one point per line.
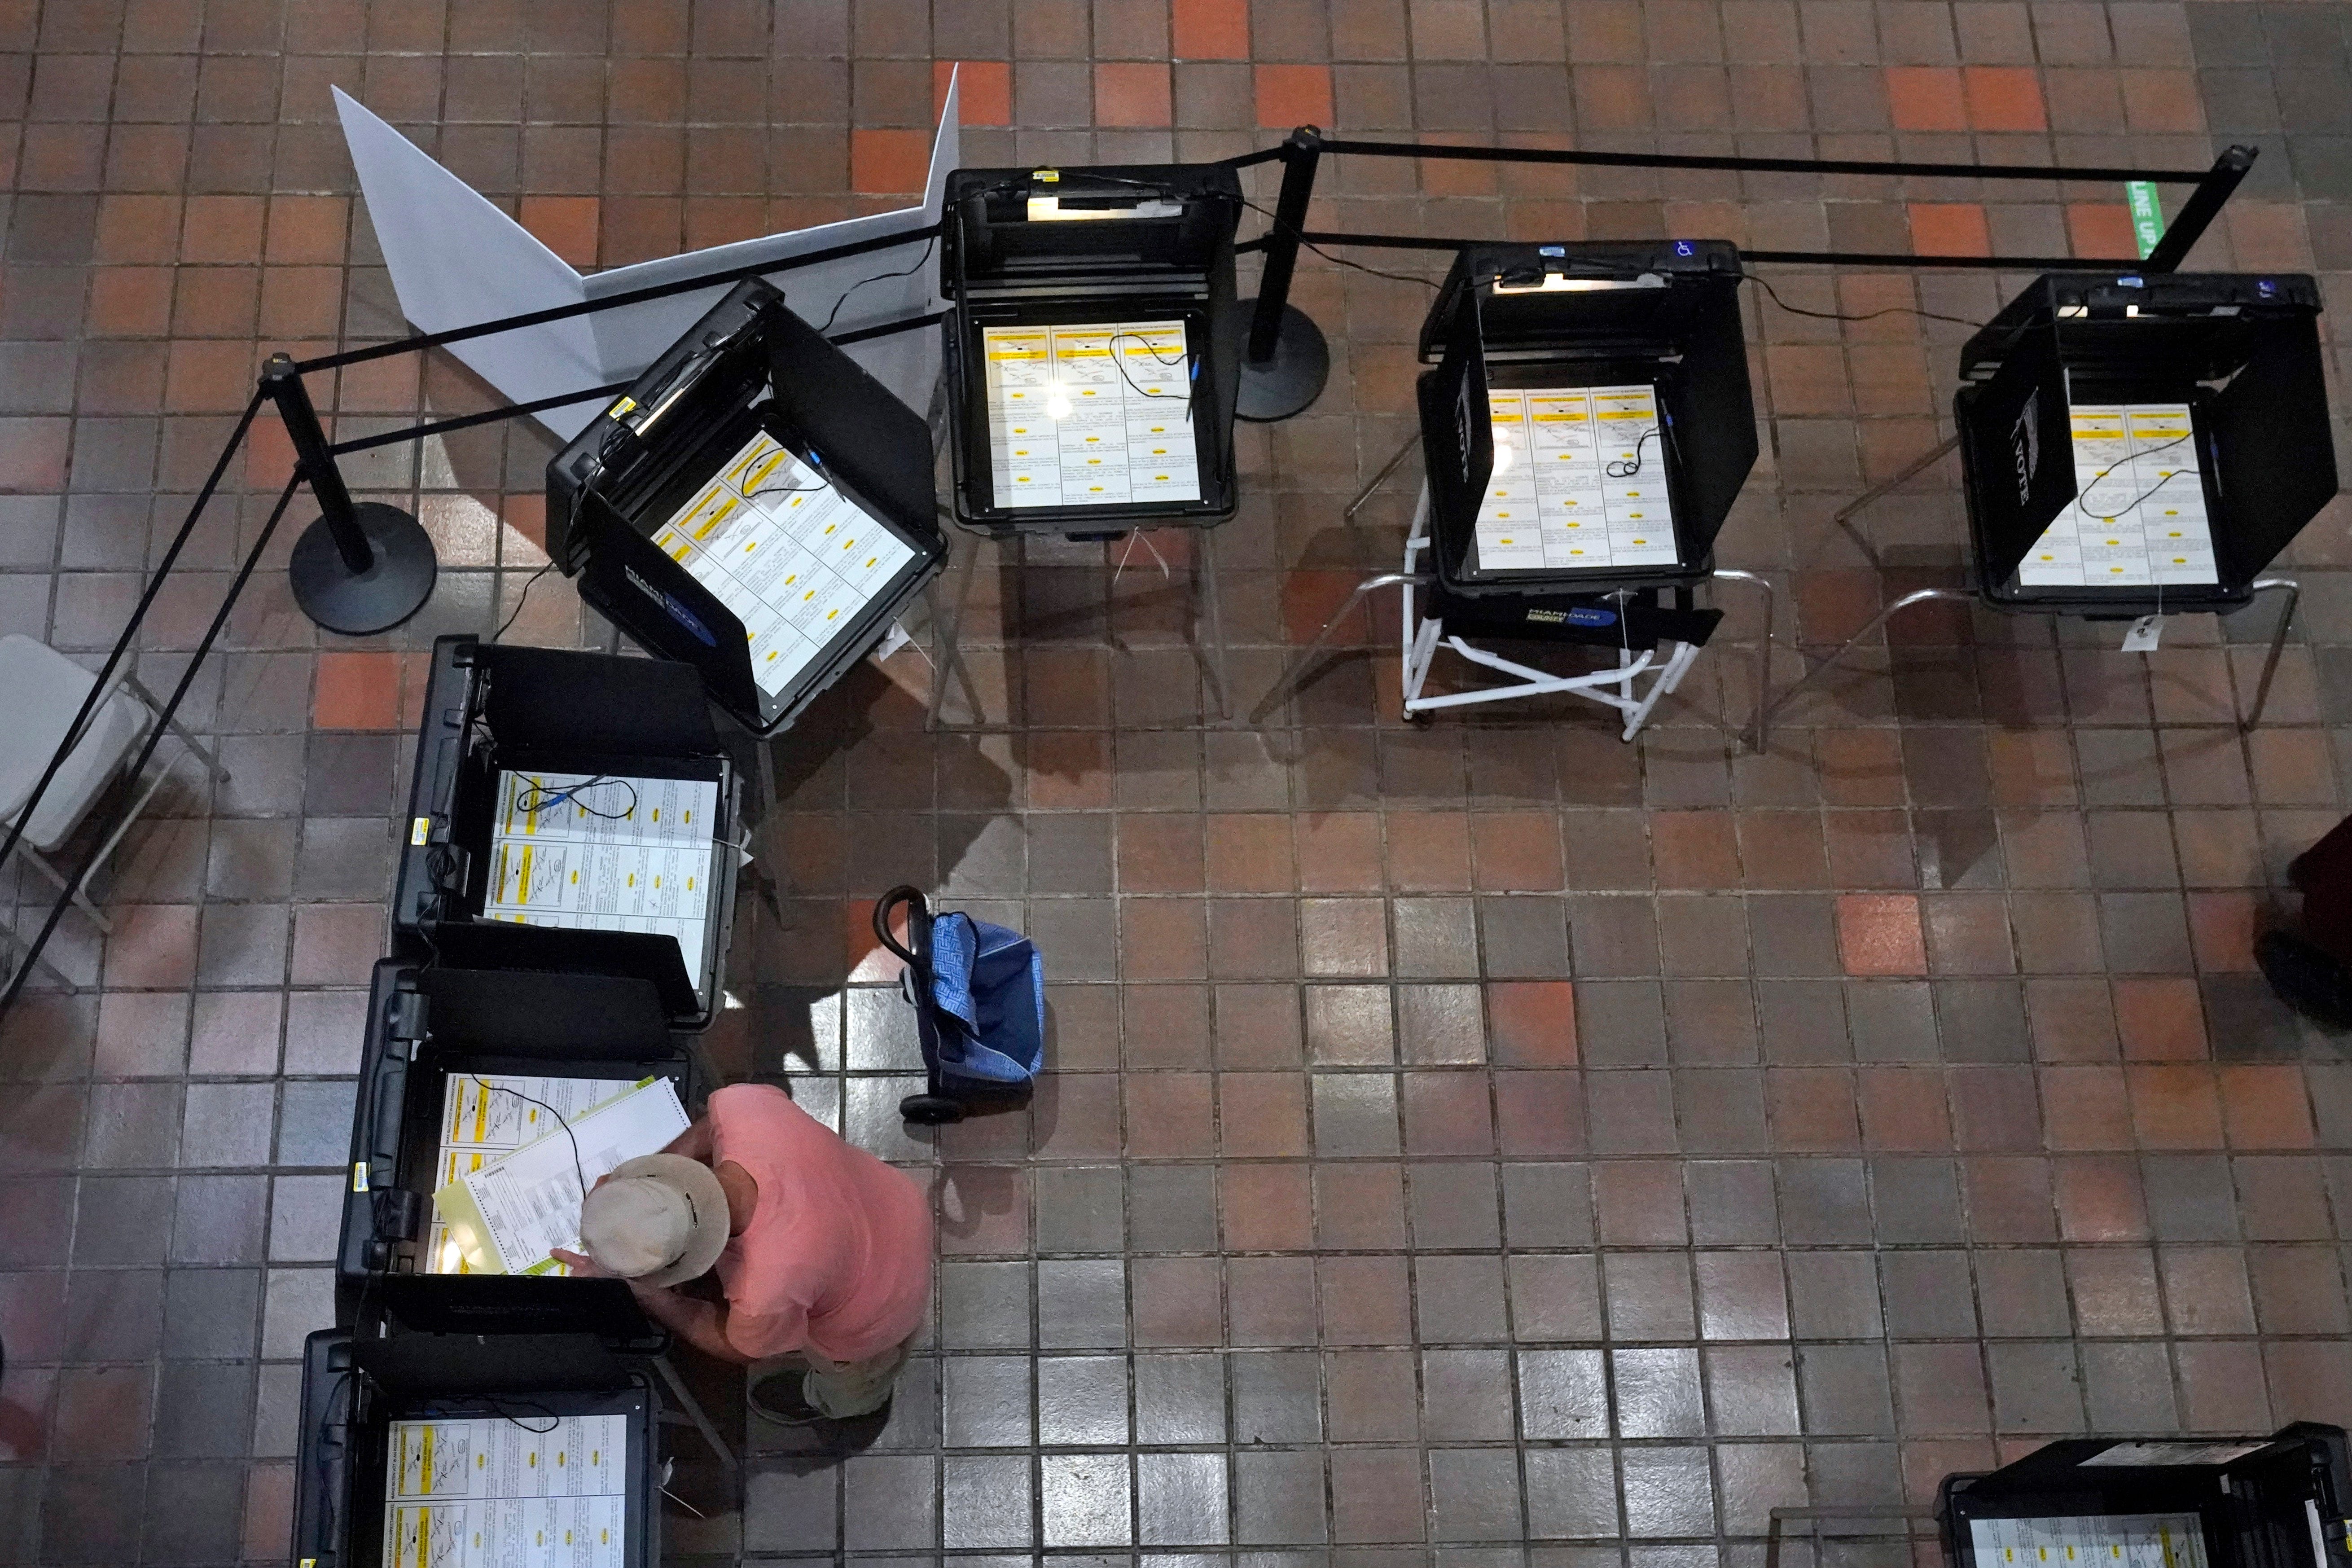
x=842, y=1389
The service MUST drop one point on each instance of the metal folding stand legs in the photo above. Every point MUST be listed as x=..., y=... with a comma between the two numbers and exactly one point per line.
x=1613, y=687
x=696, y=1416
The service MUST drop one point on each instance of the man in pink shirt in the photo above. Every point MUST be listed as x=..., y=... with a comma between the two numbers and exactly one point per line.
x=823, y=1251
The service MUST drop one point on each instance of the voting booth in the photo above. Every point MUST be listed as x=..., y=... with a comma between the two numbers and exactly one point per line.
x=2158, y=1502
x=1586, y=429
x=1093, y=351
x=460, y=1068
x=571, y=814
x=448, y=1448
x=755, y=506
x=2142, y=444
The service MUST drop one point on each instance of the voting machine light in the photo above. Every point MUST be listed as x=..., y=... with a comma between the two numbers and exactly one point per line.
x=2158, y=1502
x=359, y=1392
x=755, y=506
x=441, y=1045
x=491, y=710
x=2142, y=444
x=1093, y=350
x=1643, y=341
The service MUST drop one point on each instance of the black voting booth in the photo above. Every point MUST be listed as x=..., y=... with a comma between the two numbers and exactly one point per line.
x=2242, y=351
x=1131, y=243
x=2275, y=1502
x=748, y=367
x=1659, y=321
x=428, y=1025
x=355, y=1388
x=1663, y=313
x=489, y=708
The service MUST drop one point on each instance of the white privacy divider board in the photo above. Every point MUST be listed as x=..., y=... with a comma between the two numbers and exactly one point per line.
x=455, y=259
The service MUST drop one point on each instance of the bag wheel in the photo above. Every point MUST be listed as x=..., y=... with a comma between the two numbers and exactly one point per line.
x=931, y=1110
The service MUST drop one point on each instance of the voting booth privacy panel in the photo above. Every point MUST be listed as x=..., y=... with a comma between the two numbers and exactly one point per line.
x=573, y=814
x=1590, y=422
x=2136, y=445
x=446, y=1449
x=2158, y=1502
x=461, y=1068
x=755, y=506
x=1093, y=347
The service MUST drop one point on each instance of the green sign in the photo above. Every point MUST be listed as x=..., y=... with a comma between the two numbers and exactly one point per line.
x=2147, y=217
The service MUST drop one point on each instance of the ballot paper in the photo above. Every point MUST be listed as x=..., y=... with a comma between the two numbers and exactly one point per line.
x=1579, y=480
x=2090, y=1540
x=2138, y=519
x=511, y=1214
x=790, y=556
x=1090, y=415
x=602, y=852
x=487, y=1115
x=537, y=1491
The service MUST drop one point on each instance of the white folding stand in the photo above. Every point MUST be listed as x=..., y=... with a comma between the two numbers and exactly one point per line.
x=1620, y=685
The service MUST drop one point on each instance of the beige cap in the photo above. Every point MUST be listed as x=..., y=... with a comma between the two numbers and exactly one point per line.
x=658, y=1218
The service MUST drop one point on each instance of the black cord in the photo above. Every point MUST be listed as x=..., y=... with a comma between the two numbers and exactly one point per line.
x=1181, y=359
x=1626, y=467
x=2142, y=495
x=1764, y=283
x=547, y=801
x=1337, y=260
x=578, y=1169
x=878, y=277
x=520, y=598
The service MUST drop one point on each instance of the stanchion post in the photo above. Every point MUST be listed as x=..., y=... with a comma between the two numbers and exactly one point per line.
x=1286, y=361
x=2204, y=204
x=363, y=566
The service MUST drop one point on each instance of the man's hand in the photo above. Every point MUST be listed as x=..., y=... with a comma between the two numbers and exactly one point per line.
x=583, y=1266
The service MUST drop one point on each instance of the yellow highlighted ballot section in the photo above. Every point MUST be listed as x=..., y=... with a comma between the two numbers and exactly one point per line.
x=2090, y=1540
x=1579, y=480
x=2138, y=519
x=790, y=556
x=605, y=853
x=487, y=1492
x=487, y=1116
x=508, y=1216
x=1090, y=415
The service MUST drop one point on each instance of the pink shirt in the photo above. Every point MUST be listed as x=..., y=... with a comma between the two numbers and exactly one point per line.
x=837, y=1257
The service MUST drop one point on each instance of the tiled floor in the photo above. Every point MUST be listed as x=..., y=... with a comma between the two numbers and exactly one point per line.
x=1457, y=1137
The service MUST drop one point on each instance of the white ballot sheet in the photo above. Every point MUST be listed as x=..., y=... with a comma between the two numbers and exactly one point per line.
x=509, y=1215
x=790, y=556
x=605, y=853
x=486, y=1492
x=1579, y=480
x=2090, y=1540
x=1090, y=415
x=2138, y=519
x=487, y=1115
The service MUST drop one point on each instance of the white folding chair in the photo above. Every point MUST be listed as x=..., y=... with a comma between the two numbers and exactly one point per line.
x=40, y=691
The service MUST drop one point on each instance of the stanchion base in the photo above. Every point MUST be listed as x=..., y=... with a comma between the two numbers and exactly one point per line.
x=1286, y=384
x=377, y=599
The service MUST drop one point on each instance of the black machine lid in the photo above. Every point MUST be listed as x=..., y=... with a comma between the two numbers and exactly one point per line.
x=428, y=1365
x=1174, y=223
x=1624, y=298
x=479, y=1304
x=544, y=698
x=590, y=1017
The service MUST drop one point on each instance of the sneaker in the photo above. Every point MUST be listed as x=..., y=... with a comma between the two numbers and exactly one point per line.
x=778, y=1397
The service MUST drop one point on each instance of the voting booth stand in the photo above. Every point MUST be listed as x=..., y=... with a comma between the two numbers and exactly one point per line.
x=465, y=1447
x=1093, y=361
x=1585, y=431
x=571, y=814
x=755, y=506
x=2135, y=445
x=2158, y=1502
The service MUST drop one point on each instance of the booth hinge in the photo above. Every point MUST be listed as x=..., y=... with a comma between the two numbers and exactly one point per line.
x=407, y=1017
x=398, y=1213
